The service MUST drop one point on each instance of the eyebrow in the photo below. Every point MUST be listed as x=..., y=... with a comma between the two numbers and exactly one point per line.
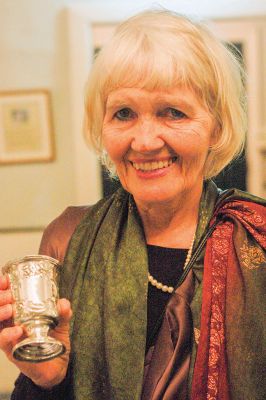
x=161, y=101
x=111, y=104
x=175, y=101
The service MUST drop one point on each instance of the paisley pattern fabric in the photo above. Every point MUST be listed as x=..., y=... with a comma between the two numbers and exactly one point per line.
x=223, y=269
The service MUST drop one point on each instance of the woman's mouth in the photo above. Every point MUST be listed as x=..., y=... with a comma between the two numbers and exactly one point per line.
x=153, y=165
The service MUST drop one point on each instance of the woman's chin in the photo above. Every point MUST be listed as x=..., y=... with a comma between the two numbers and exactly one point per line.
x=154, y=197
x=166, y=194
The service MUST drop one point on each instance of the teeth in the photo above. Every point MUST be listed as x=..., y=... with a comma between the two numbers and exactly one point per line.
x=150, y=166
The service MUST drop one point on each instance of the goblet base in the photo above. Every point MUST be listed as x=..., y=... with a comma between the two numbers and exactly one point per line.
x=38, y=346
x=40, y=350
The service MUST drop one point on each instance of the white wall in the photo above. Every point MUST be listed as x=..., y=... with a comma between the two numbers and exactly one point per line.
x=33, y=54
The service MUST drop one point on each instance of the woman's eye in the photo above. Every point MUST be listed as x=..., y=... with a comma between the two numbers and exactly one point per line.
x=125, y=114
x=172, y=113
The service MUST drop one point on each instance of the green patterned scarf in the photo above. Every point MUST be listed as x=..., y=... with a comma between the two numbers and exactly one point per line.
x=108, y=290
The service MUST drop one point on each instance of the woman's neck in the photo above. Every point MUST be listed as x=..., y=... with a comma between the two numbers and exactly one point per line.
x=170, y=225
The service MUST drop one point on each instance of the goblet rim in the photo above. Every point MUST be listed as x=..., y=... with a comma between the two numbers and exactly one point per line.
x=31, y=257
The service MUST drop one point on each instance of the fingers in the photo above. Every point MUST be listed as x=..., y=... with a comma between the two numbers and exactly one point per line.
x=9, y=337
x=5, y=292
x=6, y=312
x=5, y=297
x=4, y=282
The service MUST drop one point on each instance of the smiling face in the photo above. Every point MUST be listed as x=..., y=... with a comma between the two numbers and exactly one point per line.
x=158, y=141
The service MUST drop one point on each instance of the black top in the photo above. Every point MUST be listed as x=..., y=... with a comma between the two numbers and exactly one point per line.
x=165, y=265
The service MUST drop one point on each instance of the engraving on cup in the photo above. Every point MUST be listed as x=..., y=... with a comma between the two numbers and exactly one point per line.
x=34, y=289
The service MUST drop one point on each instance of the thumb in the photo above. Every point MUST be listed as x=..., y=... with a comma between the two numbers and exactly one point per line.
x=65, y=314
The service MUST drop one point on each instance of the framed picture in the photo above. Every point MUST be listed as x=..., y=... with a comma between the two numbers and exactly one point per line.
x=25, y=127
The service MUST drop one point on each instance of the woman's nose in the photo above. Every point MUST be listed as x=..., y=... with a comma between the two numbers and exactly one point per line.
x=146, y=137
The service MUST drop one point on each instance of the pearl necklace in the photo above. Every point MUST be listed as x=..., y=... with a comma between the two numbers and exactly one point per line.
x=166, y=288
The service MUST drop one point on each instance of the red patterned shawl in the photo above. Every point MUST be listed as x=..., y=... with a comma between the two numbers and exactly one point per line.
x=221, y=265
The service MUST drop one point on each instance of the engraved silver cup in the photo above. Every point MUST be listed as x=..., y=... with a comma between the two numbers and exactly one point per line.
x=33, y=281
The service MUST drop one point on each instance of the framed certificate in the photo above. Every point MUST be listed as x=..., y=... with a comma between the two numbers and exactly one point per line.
x=25, y=127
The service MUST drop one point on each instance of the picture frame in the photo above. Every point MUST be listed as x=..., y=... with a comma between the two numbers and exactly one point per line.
x=26, y=134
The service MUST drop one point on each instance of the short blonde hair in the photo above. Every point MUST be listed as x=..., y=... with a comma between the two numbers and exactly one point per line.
x=189, y=55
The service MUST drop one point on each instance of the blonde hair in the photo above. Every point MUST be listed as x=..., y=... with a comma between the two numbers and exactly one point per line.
x=159, y=49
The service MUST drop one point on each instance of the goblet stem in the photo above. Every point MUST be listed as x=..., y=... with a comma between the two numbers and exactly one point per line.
x=38, y=328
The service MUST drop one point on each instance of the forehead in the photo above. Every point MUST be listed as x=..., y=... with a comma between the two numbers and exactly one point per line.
x=178, y=96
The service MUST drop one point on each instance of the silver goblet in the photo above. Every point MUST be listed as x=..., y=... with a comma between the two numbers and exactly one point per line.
x=33, y=281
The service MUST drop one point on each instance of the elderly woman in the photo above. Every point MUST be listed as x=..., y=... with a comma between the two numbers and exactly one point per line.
x=164, y=277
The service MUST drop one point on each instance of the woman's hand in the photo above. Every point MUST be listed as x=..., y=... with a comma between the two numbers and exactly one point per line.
x=45, y=374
